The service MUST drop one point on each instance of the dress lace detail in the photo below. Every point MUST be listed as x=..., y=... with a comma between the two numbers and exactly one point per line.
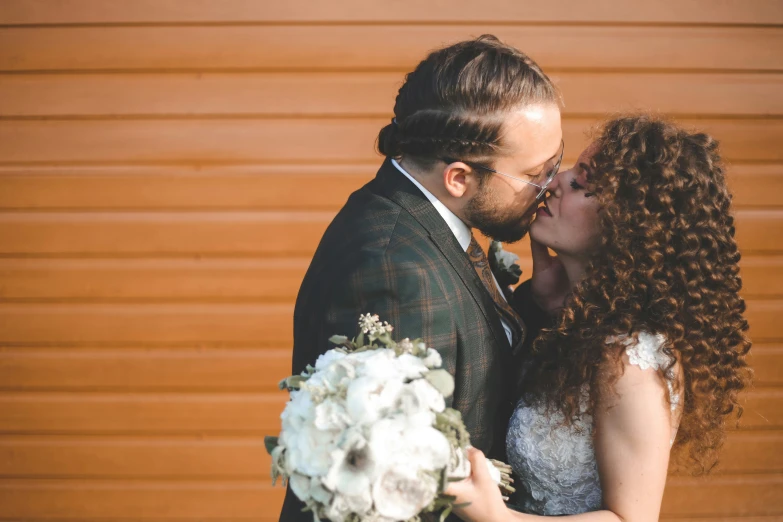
x=556, y=464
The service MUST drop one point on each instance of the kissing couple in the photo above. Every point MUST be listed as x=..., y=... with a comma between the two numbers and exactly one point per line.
x=624, y=352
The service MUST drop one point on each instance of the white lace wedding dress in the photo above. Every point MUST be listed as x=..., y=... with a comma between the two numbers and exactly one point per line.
x=556, y=465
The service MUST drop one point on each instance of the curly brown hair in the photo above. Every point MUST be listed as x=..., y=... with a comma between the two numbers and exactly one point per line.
x=667, y=264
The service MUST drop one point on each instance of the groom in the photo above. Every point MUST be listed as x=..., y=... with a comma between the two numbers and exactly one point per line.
x=475, y=140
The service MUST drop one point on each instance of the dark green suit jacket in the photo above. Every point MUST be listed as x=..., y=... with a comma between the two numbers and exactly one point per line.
x=389, y=252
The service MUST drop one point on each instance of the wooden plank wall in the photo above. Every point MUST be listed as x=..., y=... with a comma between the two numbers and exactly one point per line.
x=167, y=168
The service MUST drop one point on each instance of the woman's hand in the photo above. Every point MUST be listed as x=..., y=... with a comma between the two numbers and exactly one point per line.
x=480, y=491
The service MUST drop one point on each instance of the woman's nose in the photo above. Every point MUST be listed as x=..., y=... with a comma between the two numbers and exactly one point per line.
x=554, y=188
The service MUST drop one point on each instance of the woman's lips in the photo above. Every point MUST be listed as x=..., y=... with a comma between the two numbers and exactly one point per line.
x=543, y=210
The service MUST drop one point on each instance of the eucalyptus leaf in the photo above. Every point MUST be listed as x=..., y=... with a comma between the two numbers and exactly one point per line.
x=338, y=340
x=270, y=443
x=441, y=380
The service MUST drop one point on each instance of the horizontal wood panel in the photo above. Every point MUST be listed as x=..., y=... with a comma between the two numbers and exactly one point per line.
x=53, y=500
x=38, y=95
x=140, y=11
x=237, y=233
x=215, y=413
x=136, y=369
x=203, y=369
x=253, y=187
x=725, y=496
x=354, y=47
x=152, y=279
x=128, y=413
x=167, y=369
x=262, y=325
x=238, y=140
x=246, y=458
x=149, y=233
x=161, y=325
x=225, y=501
x=259, y=187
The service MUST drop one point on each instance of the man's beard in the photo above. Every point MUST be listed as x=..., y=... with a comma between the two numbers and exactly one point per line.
x=504, y=226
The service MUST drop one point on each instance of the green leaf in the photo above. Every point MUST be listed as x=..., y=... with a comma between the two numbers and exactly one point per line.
x=270, y=443
x=441, y=380
x=339, y=340
x=292, y=383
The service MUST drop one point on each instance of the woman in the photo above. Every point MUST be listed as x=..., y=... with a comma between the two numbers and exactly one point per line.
x=648, y=353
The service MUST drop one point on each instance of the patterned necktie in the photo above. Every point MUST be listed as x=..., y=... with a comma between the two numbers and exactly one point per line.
x=480, y=262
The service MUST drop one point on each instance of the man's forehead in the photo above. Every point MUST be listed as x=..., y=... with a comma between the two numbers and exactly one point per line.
x=534, y=132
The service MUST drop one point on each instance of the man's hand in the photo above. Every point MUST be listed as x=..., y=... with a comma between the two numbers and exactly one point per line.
x=549, y=282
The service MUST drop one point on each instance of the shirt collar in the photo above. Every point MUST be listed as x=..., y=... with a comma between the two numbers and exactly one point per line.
x=460, y=230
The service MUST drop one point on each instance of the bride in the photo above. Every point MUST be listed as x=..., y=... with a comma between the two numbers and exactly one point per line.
x=647, y=354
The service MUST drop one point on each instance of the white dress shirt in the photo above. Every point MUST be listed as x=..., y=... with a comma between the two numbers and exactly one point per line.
x=458, y=227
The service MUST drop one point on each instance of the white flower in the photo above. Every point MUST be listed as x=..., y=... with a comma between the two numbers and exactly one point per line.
x=411, y=366
x=331, y=415
x=433, y=359
x=325, y=359
x=371, y=324
x=331, y=379
x=309, y=450
x=426, y=396
x=368, y=399
x=379, y=364
x=399, y=494
x=298, y=412
x=353, y=471
x=396, y=441
x=406, y=345
x=300, y=485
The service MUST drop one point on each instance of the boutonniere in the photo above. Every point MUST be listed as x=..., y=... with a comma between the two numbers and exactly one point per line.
x=504, y=265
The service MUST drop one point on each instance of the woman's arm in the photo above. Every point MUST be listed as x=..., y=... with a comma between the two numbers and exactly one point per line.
x=632, y=434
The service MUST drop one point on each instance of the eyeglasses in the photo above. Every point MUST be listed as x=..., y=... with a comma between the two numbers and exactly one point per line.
x=549, y=171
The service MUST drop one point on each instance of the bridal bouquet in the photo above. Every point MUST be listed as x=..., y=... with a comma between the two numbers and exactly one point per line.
x=367, y=436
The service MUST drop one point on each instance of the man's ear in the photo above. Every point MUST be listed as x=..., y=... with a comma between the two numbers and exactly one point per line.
x=458, y=179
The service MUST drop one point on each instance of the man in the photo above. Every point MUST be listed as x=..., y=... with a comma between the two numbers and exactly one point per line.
x=475, y=140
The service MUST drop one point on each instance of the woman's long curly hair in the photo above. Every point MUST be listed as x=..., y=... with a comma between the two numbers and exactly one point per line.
x=667, y=264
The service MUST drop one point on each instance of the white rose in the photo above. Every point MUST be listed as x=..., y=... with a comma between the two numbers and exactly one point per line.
x=399, y=494
x=353, y=470
x=300, y=485
x=379, y=365
x=332, y=379
x=410, y=366
x=309, y=450
x=331, y=415
x=433, y=359
x=418, y=395
x=368, y=398
x=298, y=411
x=325, y=359
x=396, y=442
x=318, y=492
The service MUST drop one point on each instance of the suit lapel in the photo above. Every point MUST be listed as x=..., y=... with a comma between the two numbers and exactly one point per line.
x=400, y=190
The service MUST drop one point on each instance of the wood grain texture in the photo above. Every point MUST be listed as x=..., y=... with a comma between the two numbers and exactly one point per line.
x=255, y=187
x=290, y=140
x=172, y=11
x=261, y=325
x=245, y=458
x=554, y=47
x=236, y=369
x=167, y=168
x=332, y=93
x=237, y=233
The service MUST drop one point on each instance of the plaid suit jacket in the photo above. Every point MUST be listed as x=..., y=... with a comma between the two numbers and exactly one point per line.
x=389, y=252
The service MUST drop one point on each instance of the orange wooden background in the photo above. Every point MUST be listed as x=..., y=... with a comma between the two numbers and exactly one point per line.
x=167, y=168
